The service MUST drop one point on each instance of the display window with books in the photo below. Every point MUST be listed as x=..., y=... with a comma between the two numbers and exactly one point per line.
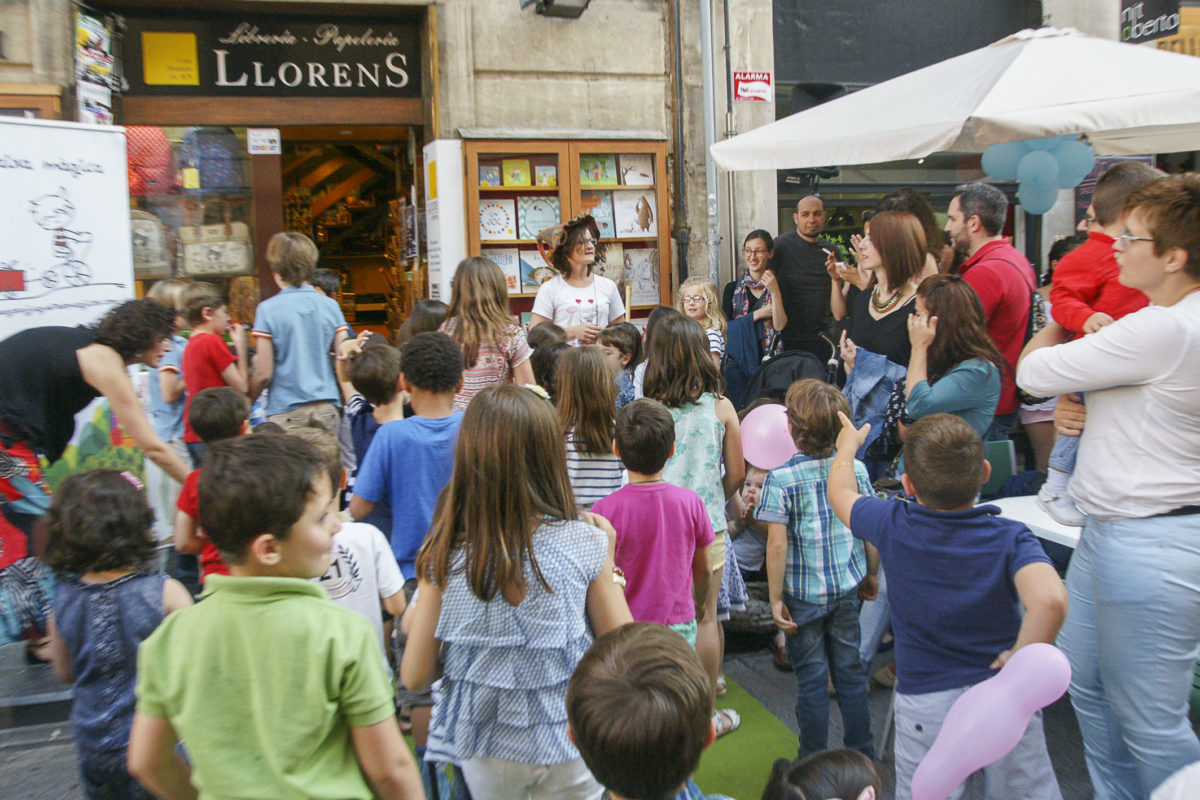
x=516, y=189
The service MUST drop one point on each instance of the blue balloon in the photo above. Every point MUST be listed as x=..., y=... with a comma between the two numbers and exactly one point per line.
x=1047, y=142
x=1038, y=170
x=1000, y=160
x=1075, y=160
x=1037, y=200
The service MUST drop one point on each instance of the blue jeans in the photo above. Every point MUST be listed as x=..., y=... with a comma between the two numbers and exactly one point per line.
x=1064, y=453
x=828, y=640
x=1132, y=635
x=874, y=620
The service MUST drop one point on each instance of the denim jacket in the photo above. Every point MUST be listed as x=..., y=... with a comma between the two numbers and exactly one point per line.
x=868, y=387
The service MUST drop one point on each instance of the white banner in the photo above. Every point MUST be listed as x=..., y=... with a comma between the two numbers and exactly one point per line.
x=65, y=256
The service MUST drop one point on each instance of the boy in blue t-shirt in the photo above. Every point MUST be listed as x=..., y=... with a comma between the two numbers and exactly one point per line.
x=955, y=574
x=410, y=460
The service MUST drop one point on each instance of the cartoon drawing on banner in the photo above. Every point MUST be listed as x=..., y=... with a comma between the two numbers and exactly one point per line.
x=54, y=213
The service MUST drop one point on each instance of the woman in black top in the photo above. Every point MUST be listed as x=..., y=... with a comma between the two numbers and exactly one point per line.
x=756, y=291
x=50, y=375
x=894, y=253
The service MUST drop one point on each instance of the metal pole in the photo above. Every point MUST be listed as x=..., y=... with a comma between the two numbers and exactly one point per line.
x=710, y=135
x=730, y=131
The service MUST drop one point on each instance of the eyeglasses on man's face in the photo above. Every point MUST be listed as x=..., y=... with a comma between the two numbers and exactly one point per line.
x=1126, y=237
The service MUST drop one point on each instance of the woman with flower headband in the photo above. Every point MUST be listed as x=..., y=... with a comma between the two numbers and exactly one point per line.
x=582, y=303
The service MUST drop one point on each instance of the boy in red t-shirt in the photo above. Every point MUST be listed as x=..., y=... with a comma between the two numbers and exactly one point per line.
x=207, y=360
x=1085, y=296
x=214, y=414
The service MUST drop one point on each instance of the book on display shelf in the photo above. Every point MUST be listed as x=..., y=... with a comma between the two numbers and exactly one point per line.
x=598, y=170
x=635, y=213
x=637, y=169
x=535, y=214
x=612, y=265
x=497, y=219
x=545, y=175
x=641, y=272
x=489, y=175
x=599, y=205
x=534, y=270
x=508, y=260
x=516, y=172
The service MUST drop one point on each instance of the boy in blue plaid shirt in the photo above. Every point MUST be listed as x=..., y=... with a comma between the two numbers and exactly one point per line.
x=817, y=572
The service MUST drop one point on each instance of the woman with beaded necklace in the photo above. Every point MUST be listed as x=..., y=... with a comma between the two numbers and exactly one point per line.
x=894, y=253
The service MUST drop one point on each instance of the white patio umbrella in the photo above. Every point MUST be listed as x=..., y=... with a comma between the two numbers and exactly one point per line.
x=1128, y=99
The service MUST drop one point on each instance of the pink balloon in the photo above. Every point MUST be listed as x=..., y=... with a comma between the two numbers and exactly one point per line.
x=766, y=442
x=986, y=723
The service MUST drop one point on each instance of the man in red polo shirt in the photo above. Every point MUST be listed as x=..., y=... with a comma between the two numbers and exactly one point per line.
x=1002, y=278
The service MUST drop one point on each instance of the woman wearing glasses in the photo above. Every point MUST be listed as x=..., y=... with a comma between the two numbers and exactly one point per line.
x=581, y=303
x=1133, y=622
x=755, y=293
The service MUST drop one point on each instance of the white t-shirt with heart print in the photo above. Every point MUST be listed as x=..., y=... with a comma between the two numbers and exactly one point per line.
x=566, y=305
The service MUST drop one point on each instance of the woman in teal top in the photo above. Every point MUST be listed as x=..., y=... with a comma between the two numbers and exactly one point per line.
x=955, y=367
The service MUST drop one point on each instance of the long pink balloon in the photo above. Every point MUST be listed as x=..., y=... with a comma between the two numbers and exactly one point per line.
x=766, y=443
x=986, y=723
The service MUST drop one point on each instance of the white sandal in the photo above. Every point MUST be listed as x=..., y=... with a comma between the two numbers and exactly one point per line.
x=726, y=720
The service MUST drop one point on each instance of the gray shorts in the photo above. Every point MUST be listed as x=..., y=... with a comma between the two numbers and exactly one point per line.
x=1026, y=772
x=320, y=415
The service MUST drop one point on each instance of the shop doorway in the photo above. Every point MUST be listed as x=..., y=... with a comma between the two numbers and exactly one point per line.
x=352, y=190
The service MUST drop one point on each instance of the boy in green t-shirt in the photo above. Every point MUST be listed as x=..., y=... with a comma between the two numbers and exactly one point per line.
x=269, y=685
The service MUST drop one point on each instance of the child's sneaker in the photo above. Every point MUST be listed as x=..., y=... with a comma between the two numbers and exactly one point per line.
x=1060, y=508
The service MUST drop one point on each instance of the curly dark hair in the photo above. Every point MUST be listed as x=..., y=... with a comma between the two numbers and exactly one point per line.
x=432, y=361
x=573, y=230
x=134, y=327
x=99, y=520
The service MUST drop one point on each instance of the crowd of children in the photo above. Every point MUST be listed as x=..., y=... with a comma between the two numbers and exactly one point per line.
x=530, y=549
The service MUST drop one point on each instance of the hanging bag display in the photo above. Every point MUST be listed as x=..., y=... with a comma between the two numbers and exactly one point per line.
x=212, y=161
x=151, y=163
x=216, y=250
x=148, y=237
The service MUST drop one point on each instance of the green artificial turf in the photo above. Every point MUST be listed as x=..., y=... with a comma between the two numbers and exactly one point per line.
x=738, y=764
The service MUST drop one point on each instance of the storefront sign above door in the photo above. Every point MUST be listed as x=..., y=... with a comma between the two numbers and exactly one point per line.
x=259, y=56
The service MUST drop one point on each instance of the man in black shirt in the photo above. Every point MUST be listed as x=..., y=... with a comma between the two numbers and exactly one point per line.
x=799, y=263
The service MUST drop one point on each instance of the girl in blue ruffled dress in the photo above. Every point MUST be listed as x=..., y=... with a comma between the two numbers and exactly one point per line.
x=512, y=587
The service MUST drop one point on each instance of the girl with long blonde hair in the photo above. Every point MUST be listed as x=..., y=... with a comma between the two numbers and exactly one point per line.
x=494, y=347
x=697, y=299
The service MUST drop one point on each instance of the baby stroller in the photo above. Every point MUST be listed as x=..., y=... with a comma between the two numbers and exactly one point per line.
x=781, y=369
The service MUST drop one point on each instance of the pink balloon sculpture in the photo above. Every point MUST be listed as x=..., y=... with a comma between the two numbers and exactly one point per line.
x=986, y=723
x=766, y=442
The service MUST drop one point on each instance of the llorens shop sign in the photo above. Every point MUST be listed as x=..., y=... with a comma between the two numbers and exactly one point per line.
x=259, y=56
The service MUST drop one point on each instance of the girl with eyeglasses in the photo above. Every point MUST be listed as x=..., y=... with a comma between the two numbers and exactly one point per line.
x=582, y=303
x=697, y=299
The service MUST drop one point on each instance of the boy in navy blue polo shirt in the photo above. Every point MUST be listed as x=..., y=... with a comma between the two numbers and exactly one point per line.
x=294, y=332
x=955, y=572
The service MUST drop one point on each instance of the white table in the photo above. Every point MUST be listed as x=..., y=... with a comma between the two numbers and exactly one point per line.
x=1026, y=510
